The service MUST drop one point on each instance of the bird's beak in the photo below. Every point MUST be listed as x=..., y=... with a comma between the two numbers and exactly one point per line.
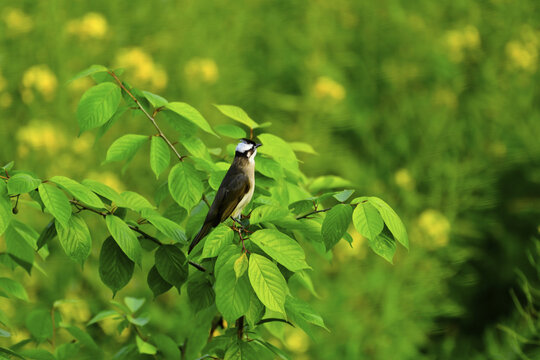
x=257, y=145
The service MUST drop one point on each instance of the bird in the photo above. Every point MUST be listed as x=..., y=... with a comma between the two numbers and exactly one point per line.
x=234, y=192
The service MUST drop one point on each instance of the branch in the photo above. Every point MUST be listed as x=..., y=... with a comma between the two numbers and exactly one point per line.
x=150, y=117
x=311, y=213
x=156, y=240
x=81, y=206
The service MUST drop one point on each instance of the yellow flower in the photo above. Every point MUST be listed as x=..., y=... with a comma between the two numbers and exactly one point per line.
x=5, y=100
x=144, y=70
x=81, y=85
x=17, y=22
x=297, y=341
x=404, y=180
x=460, y=41
x=40, y=136
x=522, y=56
x=445, y=97
x=90, y=26
x=202, y=70
x=41, y=79
x=326, y=87
x=435, y=227
x=74, y=310
x=83, y=143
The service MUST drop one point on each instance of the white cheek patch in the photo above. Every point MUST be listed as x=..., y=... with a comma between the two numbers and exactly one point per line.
x=252, y=157
x=243, y=147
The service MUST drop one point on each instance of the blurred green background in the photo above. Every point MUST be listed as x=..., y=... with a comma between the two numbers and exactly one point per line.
x=432, y=106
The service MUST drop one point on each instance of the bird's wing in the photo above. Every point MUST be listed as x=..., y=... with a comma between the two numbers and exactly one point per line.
x=233, y=188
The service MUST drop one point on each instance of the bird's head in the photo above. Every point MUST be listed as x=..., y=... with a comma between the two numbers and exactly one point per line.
x=247, y=148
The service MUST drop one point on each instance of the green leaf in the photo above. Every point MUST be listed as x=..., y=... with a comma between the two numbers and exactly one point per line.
x=221, y=236
x=48, y=233
x=303, y=147
x=168, y=228
x=78, y=191
x=9, y=352
x=22, y=183
x=89, y=71
x=300, y=313
x=228, y=253
x=237, y=114
x=392, y=220
x=232, y=294
x=280, y=151
x=134, y=304
x=335, y=224
x=8, y=166
x=37, y=354
x=167, y=347
x=21, y=244
x=75, y=239
x=156, y=100
x=56, y=202
x=185, y=186
x=367, y=220
x=196, y=147
x=241, y=265
x=216, y=177
x=255, y=310
x=125, y=238
x=179, y=123
x=103, y=190
x=343, y=195
x=303, y=278
x=384, y=245
x=144, y=347
x=11, y=288
x=135, y=202
x=125, y=147
x=268, y=282
x=116, y=116
x=190, y=113
x=267, y=213
x=172, y=265
x=200, y=292
x=269, y=167
x=282, y=248
x=160, y=156
x=328, y=182
x=102, y=315
x=39, y=323
x=115, y=268
x=156, y=283
x=231, y=131
x=5, y=208
x=84, y=338
x=97, y=105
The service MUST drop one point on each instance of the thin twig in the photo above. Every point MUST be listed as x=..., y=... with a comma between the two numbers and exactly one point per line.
x=81, y=206
x=150, y=117
x=156, y=240
x=311, y=213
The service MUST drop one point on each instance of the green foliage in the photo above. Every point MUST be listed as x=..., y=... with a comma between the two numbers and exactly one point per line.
x=98, y=105
x=244, y=272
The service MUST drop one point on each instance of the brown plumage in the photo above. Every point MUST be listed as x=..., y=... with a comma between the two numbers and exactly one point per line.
x=233, y=194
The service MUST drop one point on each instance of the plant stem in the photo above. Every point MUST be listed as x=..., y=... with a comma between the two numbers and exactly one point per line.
x=311, y=213
x=150, y=117
x=136, y=229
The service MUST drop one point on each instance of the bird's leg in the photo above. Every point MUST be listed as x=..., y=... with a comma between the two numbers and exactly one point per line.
x=239, y=231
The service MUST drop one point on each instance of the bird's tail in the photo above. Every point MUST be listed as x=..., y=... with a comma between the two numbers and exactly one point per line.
x=202, y=233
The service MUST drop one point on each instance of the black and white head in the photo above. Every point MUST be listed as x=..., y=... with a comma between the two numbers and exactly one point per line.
x=247, y=148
